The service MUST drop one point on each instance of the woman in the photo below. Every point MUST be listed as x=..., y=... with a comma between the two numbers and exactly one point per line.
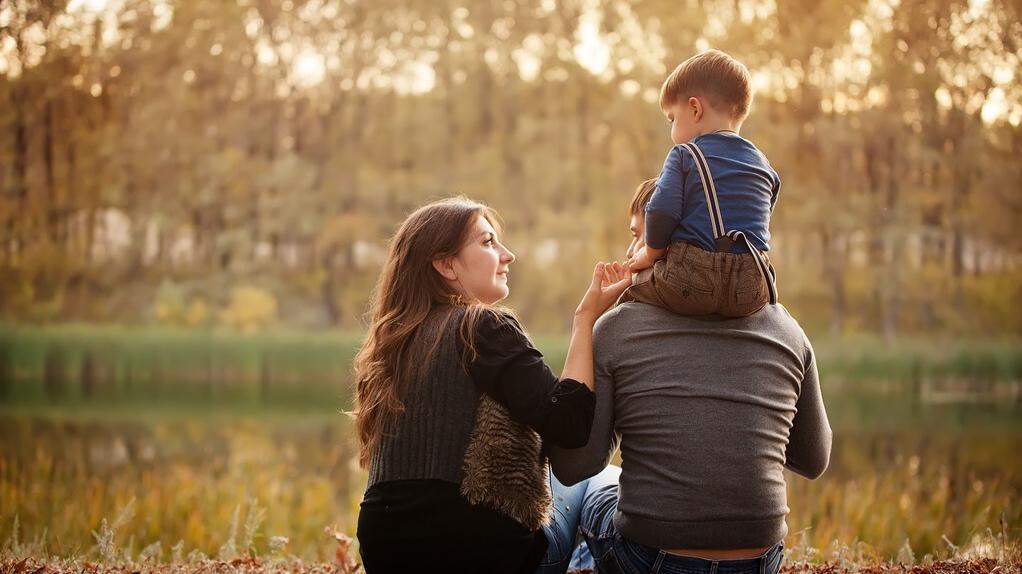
x=450, y=397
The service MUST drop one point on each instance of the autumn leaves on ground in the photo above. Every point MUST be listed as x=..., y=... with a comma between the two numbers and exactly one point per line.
x=993, y=556
x=346, y=565
x=985, y=554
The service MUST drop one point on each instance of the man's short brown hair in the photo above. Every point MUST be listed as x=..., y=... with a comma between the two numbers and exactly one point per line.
x=721, y=79
x=641, y=197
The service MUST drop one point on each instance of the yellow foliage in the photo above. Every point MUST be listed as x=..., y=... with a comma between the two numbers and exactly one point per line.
x=250, y=309
x=197, y=313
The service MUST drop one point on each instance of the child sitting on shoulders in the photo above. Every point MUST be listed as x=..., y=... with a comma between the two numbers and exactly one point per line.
x=707, y=223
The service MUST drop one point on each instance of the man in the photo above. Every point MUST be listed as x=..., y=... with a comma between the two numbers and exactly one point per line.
x=707, y=414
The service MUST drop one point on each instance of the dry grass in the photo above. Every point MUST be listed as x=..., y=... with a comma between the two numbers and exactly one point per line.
x=221, y=490
x=985, y=554
x=248, y=565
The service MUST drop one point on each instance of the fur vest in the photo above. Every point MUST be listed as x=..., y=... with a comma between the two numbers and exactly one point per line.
x=505, y=467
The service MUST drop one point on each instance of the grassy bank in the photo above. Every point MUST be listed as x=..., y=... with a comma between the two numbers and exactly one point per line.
x=70, y=363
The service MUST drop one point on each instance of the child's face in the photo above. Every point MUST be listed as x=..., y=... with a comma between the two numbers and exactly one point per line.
x=684, y=119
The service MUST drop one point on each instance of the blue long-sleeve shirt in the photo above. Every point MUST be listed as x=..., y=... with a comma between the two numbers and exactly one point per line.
x=747, y=190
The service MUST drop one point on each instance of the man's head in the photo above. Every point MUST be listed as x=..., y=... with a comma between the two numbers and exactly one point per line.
x=708, y=84
x=636, y=214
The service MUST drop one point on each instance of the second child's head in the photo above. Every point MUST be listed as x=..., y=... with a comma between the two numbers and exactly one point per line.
x=707, y=92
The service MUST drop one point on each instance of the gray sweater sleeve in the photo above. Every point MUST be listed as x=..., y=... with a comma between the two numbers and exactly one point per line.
x=809, y=442
x=571, y=466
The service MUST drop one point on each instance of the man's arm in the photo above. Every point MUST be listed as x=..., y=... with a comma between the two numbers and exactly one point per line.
x=808, y=451
x=574, y=465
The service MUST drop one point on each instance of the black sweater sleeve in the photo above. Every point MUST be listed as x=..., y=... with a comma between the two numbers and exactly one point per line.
x=512, y=371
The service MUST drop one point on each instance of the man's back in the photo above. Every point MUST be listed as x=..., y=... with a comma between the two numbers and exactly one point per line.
x=708, y=413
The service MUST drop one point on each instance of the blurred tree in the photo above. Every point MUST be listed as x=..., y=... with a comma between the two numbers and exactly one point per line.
x=277, y=143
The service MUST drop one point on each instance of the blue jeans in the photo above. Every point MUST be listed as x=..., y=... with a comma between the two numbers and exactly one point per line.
x=566, y=547
x=588, y=508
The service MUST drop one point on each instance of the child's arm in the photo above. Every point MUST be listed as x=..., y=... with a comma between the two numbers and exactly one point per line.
x=644, y=258
x=662, y=213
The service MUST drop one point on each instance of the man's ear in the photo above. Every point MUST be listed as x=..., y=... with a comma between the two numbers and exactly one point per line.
x=695, y=107
x=445, y=268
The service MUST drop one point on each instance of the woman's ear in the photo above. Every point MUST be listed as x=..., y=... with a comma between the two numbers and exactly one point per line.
x=445, y=268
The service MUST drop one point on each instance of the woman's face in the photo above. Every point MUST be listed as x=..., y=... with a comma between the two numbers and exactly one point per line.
x=480, y=268
x=636, y=225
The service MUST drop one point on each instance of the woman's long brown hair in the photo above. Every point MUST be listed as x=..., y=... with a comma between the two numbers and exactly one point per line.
x=412, y=303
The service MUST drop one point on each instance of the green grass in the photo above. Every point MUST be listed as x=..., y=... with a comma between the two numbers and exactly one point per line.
x=72, y=363
x=863, y=358
x=83, y=370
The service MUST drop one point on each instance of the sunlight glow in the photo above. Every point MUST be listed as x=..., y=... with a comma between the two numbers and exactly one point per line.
x=630, y=88
x=415, y=77
x=308, y=68
x=995, y=107
x=87, y=5
x=632, y=51
x=943, y=97
x=528, y=63
x=591, y=50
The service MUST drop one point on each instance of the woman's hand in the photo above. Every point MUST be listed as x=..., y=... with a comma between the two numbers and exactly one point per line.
x=609, y=281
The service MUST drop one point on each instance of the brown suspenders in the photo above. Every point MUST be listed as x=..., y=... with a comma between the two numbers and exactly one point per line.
x=723, y=238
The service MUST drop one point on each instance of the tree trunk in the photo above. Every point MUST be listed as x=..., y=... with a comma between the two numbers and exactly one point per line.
x=834, y=255
x=893, y=239
x=51, y=207
x=329, y=289
x=16, y=231
x=583, y=166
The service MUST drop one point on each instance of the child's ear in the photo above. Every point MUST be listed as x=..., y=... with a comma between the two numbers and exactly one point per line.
x=695, y=107
x=445, y=268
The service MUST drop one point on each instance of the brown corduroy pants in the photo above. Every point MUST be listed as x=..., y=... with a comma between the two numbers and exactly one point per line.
x=689, y=280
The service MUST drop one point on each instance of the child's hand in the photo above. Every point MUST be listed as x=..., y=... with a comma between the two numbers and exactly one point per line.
x=639, y=261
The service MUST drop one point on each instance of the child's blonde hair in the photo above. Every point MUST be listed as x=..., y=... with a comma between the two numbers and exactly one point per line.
x=721, y=79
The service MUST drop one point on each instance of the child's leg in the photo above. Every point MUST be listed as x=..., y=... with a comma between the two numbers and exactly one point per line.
x=643, y=287
x=690, y=281
x=745, y=288
x=682, y=281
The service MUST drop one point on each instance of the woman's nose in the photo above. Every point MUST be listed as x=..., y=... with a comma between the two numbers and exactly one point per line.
x=509, y=256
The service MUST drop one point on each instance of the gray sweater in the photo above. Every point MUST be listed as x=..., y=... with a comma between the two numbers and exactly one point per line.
x=429, y=439
x=707, y=415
